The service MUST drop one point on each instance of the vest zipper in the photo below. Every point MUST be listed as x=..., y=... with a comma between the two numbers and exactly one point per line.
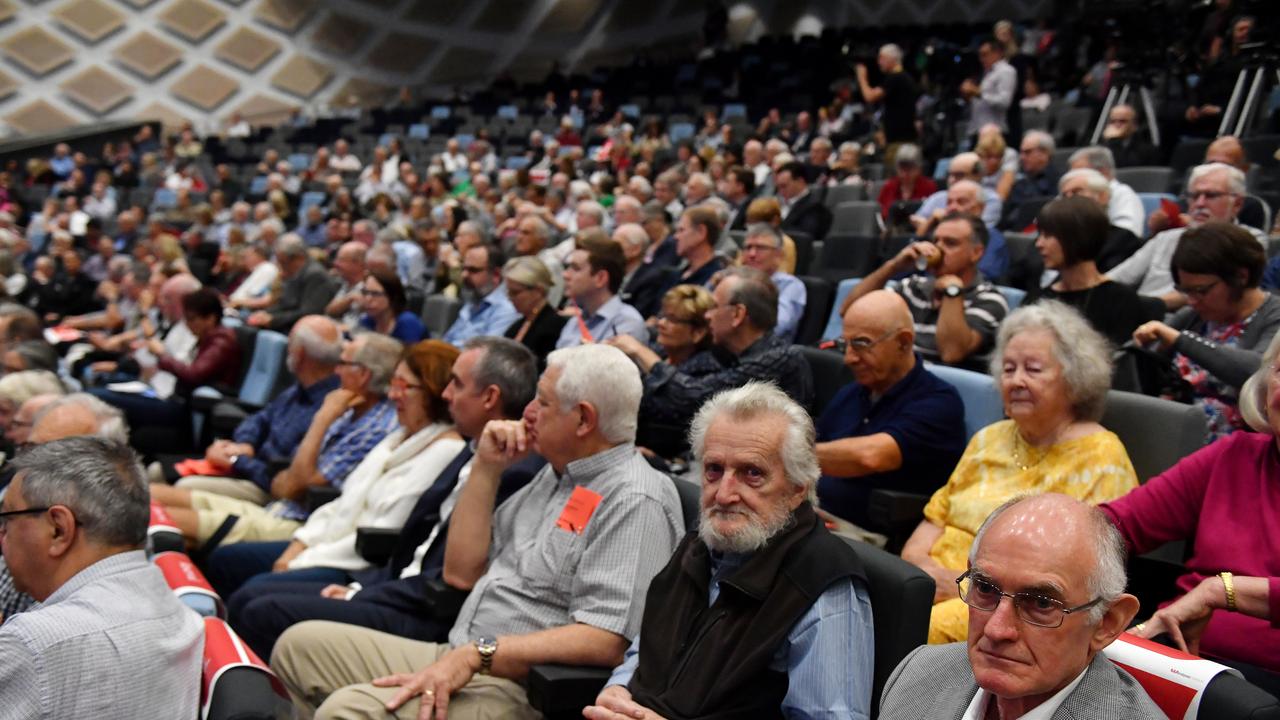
x=686, y=650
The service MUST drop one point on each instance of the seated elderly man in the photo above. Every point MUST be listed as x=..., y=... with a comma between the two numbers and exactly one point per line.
x=1215, y=192
x=351, y=420
x=1061, y=565
x=741, y=325
x=305, y=289
x=897, y=426
x=274, y=432
x=1124, y=207
x=762, y=250
x=556, y=576
x=74, y=523
x=770, y=636
x=965, y=166
x=956, y=309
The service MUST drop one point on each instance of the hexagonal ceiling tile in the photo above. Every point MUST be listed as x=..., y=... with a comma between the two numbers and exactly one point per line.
x=204, y=87
x=39, y=117
x=247, y=49
x=148, y=55
x=193, y=20
x=90, y=19
x=286, y=15
x=302, y=76
x=97, y=90
x=38, y=51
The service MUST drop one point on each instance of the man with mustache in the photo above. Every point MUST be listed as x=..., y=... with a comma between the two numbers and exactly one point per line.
x=1060, y=564
x=761, y=612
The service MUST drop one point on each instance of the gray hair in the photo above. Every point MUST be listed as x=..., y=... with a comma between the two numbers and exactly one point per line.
x=509, y=366
x=765, y=230
x=892, y=51
x=1235, y=178
x=379, y=354
x=604, y=377
x=272, y=223
x=703, y=179
x=1253, y=396
x=908, y=153
x=315, y=347
x=640, y=184
x=632, y=234
x=799, y=457
x=17, y=388
x=1098, y=157
x=1042, y=139
x=1109, y=577
x=37, y=355
x=108, y=420
x=99, y=480
x=592, y=208
x=1093, y=179
x=291, y=245
x=756, y=292
x=1083, y=352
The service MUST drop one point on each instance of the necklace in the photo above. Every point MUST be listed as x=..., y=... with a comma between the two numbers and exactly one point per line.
x=1018, y=455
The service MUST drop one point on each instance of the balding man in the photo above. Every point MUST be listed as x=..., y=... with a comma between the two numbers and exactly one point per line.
x=1215, y=192
x=896, y=426
x=350, y=268
x=1125, y=207
x=1045, y=589
x=965, y=166
x=306, y=288
x=274, y=432
x=1037, y=179
x=644, y=281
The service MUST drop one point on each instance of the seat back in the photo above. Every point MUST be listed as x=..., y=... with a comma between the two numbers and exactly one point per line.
x=901, y=597
x=1013, y=296
x=1182, y=430
x=837, y=194
x=439, y=312
x=235, y=683
x=804, y=250
x=1146, y=178
x=817, y=305
x=269, y=350
x=835, y=321
x=859, y=217
x=855, y=253
x=163, y=534
x=690, y=501
x=189, y=584
x=1189, y=687
x=982, y=402
x=829, y=375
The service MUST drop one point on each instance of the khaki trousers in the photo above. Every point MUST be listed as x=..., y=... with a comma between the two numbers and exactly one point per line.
x=231, y=487
x=253, y=523
x=327, y=668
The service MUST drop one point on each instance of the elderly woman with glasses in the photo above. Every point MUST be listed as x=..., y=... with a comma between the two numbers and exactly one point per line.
x=1224, y=500
x=383, y=299
x=539, y=325
x=1215, y=342
x=1053, y=371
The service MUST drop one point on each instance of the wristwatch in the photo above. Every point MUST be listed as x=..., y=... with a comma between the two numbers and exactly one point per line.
x=953, y=291
x=487, y=647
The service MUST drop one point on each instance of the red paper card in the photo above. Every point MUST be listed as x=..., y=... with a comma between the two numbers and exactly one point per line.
x=577, y=511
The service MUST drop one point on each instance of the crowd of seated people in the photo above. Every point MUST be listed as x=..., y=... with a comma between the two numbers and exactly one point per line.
x=500, y=360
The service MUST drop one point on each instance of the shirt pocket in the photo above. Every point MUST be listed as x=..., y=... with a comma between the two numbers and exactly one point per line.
x=552, y=564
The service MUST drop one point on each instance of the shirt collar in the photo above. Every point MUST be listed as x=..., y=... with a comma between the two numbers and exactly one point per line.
x=608, y=310
x=583, y=470
x=1043, y=711
x=321, y=387
x=105, y=567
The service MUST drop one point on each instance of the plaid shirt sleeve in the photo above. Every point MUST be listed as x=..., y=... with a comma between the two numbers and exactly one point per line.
x=349, y=441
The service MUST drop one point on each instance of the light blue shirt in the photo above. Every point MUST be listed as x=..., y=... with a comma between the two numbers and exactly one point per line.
x=791, y=299
x=612, y=318
x=411, y=263
x=990, y=212
x=492, y=315
x=828, y=655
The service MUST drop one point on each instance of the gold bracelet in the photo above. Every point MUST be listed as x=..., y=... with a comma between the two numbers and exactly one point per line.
x=1230, y=588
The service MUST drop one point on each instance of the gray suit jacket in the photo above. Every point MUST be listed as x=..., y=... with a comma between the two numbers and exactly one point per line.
x=935, y=682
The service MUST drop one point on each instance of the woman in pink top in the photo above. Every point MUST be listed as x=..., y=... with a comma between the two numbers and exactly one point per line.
x=1225, y=500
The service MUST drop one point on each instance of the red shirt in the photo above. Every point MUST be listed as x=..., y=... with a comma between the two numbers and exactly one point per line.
x=892, y=192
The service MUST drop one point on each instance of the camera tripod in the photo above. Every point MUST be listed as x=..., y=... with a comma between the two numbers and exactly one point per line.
x=1119, y=95
x=1244, y=104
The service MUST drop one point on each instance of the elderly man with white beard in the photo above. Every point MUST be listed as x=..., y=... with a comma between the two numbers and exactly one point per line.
x=761, y=612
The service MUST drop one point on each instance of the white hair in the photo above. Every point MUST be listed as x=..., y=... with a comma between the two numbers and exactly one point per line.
x=592, y=208
x=1084, y=353
x=640, y=184
x=19, y=387
x=632, y=234
x=109, y=422
x=702, y=179
x=1042, y=139
x=605, y=378
x=1235, y=178
x=1253, y=396
x=799, y=457
x=1093, y=180
x=892, y=51
x=1098, y=157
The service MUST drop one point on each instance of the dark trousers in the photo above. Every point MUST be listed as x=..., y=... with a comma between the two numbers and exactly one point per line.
x=261, y=612
x=230, y=566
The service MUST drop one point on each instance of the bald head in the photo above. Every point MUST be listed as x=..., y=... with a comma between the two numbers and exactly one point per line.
x=883, y=310
x=879, y=340
x=19, y=430
x=61, y=422
x=965, y=196
x=352, y=250
x=1228, y=150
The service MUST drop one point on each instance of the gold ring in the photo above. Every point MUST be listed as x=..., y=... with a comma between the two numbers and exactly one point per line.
x=429, y=692
x=1139, y=626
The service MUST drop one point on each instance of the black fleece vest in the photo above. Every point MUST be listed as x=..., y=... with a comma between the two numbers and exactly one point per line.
x=713, y=662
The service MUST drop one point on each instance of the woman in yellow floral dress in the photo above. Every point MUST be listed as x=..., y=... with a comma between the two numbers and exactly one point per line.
x=1053, y=371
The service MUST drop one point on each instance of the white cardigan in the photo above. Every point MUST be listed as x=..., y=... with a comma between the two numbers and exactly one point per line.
x=380, y=492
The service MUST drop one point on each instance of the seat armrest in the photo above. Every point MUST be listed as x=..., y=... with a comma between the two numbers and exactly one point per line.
x=561, y=691
x=444, y=601
x=376, y=544
x=896, y=515
x=204, y=398
x=320, y=495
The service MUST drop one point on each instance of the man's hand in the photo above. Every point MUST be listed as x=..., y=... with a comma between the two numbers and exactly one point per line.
x=636, y=350
x=615, y=703
x=1155, y=331
x=861, y=70
x=260, y=319
x=103, y=367
x=435, y=683
x=502, y=444
x=335, y=592
x=907, y=258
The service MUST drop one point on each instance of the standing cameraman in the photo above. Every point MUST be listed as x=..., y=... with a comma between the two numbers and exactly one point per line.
x=898, y=94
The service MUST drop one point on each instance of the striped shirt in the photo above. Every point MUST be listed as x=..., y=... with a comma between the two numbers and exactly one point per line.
x=112, y=643
x=984, y=309
x=542, y=576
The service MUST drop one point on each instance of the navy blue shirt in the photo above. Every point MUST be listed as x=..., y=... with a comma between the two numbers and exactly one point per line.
x=922, y=413
x=276, y=430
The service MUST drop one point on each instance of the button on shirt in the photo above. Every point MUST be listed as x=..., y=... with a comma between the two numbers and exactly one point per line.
x=612, y=318
x=276, y=430
x=492, y=315
x=827, y=656
x=112, y=643
x=792, y=296
x=542, y=576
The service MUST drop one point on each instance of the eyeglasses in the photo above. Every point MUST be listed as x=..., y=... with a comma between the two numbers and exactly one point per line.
x=1209, y=195
x=1197, y=291
x=372, y=293
x=981, y=594
x=4, y=516
x=861, y=345
x=400, y=385
x=757, y=247
x=350, y=364
x=473, y=270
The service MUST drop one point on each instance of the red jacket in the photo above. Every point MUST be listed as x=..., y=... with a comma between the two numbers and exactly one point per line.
x=217, y=362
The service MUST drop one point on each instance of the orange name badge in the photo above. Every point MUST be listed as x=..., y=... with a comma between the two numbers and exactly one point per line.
x=577, y=511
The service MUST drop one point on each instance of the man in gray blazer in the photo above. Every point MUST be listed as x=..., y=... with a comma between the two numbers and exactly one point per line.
x=1061, y=566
